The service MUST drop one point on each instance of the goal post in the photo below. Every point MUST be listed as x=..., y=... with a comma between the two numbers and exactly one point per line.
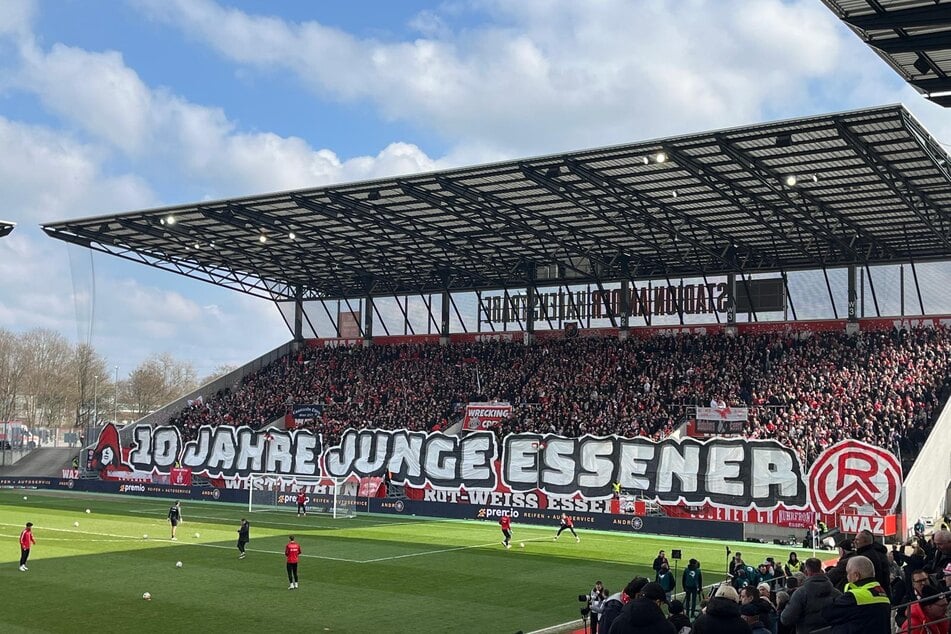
x=335, y=497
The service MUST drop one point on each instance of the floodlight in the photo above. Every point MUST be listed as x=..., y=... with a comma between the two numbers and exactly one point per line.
x=790, y=180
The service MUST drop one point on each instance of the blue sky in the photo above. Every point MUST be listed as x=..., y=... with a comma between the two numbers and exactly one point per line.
x=119, y=105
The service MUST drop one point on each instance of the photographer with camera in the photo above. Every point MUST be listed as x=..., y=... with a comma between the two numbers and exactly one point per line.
x=594, y=602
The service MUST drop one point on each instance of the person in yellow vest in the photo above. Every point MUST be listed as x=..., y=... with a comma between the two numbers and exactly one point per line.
x=863, y=607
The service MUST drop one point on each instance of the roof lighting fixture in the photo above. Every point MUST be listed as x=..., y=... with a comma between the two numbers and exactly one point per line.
x=673, y=194
x=292, y=235
x=169, y=219
x=790, y=180
x=262, y=238
x=815, y=178
x=647, y=160
x=660, y=157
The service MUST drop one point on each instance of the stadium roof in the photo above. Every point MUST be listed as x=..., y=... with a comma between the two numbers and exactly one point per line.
x=913, y=36
x=863, y=187
x=6, y=227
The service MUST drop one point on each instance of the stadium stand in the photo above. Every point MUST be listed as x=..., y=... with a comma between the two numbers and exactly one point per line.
x=882, y=387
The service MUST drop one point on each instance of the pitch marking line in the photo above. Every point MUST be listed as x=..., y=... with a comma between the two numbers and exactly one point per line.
x=180, y=543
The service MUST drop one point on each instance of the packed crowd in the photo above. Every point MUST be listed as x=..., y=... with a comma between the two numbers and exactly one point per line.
x=882, y=387
x=870, y=590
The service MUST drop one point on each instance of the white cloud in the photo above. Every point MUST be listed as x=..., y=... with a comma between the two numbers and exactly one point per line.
x=557, y=75
x=16, y=17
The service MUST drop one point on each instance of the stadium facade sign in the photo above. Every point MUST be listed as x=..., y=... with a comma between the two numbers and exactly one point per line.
x=691, y=299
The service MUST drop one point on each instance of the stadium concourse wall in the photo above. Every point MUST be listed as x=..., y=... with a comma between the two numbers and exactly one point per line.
x=925, y=490
x=648, y=524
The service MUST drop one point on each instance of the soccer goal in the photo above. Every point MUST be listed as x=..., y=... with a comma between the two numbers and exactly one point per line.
x=329, y=496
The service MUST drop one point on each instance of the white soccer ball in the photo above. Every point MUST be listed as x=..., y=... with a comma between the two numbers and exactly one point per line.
x=197, y=535
x=76, y=524
x=24, y=497
x=145, y=536
x=88, y=511
x=147, y=596
x=521, y=545
x=178, y=564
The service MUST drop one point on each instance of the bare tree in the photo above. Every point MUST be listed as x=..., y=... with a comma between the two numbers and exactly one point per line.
x=159, y=380
x=218, y=372
x=12, y=369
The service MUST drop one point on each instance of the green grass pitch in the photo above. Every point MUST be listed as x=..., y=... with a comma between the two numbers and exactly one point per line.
x=369, y=573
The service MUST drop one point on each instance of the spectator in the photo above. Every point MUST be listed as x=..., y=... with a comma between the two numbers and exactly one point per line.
x=782, y=602
x=660, y=560
x=677, y=618
x=838, y=575
x=643, y=614
x=864, y=607
x=751, y=614
x=866, y=546
x=941, y=556
x=722, y=614
x=928, y=616
x=614, y=604
x=753, y=595
x=804, y=610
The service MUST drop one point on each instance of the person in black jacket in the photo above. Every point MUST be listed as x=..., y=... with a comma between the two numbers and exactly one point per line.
x=677, y=617
x=614, y=604
x=722, y=614
x=941, y=557
x=864, y=607
x=659, y=561
x=837, y=575
x=643, y=615
x=692, y=586
x=866, y=546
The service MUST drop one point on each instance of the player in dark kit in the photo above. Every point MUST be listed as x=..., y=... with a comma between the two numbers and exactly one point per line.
x=292, y=552
x=175, y=516
x=301, y=503
x=244, y=536
x=567, y=524
x=26, y=542
x=506, y=523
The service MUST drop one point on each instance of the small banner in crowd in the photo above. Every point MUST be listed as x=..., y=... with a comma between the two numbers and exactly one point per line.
x=301, y=414
x=485, y=415
x=721, y=420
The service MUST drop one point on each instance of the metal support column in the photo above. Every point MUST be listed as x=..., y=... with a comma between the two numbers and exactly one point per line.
x=625, y=308
x=298, y=314
x=368, y=321
x=852, y=325
x=531, y=303
x=444, y=320
x=731, y=303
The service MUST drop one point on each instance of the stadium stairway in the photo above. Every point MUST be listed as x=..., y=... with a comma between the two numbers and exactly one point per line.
x=47, y=462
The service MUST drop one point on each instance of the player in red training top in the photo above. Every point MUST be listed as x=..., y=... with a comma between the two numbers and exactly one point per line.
x=301, y=503
x=26, y=541
x=567, y=524
x=292, y=552
x=506, y=524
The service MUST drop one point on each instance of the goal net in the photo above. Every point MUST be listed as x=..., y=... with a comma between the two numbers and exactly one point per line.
x=330, y=496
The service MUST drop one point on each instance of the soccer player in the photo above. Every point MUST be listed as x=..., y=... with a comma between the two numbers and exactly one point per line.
x=175, y=516
x=506, y=523
x=292, y=552
x=567, y=524
x=244, y=536
x=301, y=503
x=26, y=541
